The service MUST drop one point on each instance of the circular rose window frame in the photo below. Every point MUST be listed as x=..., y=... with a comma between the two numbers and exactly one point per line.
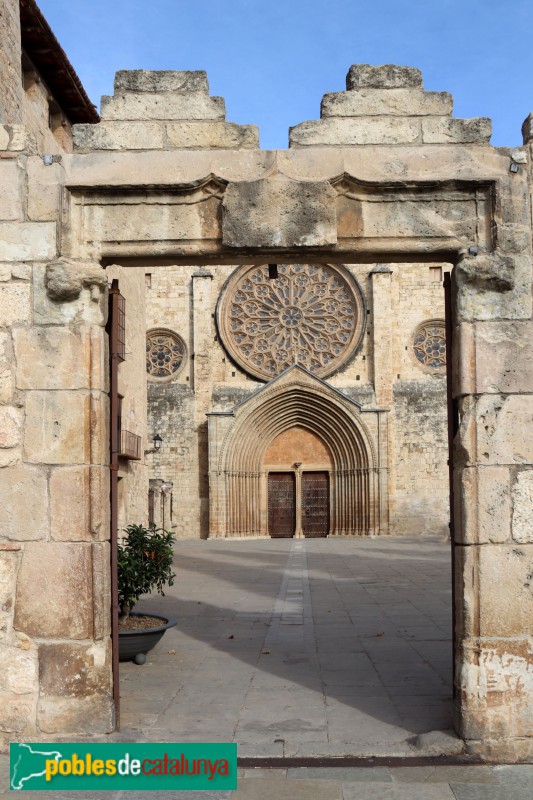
x=176, y=337
x=427, y=368
x=285, y=313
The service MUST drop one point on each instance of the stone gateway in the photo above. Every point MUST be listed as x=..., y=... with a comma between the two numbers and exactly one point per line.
x=257, y=343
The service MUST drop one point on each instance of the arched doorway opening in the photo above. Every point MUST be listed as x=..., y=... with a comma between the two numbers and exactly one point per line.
x=349, y=443
x=299, y=468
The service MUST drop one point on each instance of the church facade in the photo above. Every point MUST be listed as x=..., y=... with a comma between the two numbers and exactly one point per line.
x=356, y=441
x=285, y=310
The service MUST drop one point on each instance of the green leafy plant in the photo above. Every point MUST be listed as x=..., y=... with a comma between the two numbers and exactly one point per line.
x=144, y=564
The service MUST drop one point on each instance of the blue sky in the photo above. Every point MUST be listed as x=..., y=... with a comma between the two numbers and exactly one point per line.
x=273, y=60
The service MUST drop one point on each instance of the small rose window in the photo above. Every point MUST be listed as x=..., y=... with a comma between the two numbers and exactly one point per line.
x=429, y=344
x=165, y=353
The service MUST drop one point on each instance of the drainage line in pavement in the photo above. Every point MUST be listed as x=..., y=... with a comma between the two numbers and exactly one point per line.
x=280, y=762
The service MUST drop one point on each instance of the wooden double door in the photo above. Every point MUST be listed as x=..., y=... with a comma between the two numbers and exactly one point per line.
x=298, y=503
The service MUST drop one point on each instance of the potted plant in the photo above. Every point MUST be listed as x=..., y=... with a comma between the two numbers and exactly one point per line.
x=144, y=564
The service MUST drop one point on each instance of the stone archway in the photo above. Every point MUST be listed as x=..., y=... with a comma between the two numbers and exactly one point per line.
x=354, y=186
x=240, y=438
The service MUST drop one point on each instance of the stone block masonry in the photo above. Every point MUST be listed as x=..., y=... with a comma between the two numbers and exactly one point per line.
x=387, y=106
x=163, y=111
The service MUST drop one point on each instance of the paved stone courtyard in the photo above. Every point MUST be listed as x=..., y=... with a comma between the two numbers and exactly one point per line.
x=377, y=783
x=299, y=647
x=302, y=648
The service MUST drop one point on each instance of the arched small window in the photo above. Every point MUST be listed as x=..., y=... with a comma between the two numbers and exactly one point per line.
x=165, y=354
x=429, y=345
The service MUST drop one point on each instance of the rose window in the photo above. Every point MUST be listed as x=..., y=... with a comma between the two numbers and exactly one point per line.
x=429, y=344
x=311, y=315
x=165, y=353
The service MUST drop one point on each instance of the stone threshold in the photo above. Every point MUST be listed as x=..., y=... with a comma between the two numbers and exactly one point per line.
x=286, y=762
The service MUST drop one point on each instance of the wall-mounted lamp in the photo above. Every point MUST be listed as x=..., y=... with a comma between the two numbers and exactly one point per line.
x=158, y=441
x=513, y=167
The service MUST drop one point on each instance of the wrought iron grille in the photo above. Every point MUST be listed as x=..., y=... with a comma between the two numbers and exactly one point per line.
x=130, y=446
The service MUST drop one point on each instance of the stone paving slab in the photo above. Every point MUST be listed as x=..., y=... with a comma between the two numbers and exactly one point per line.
x=471, y=791
x=312, y=642
x=343, y=774
x=453, y=782
x=397, y=791
x=272, y=789
x=515, y=775
x=445, y=774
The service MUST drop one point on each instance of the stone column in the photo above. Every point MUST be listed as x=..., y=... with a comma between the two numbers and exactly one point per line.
x=298, y=533
x=202, y=338
x=382, y=333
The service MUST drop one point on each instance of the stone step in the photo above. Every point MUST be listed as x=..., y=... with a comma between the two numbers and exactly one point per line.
x=383, y=102
x=162, y=106
x=385, y=76
x=389, y=130
x=175, y=81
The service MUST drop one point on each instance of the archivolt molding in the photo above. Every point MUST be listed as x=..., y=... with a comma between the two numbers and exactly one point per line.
x=298, y=398
x=272, y=409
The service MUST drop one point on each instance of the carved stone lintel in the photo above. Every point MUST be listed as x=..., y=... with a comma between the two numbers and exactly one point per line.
x=279, y=212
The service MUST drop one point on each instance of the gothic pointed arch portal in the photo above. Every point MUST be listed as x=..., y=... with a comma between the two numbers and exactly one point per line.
x=355, y=438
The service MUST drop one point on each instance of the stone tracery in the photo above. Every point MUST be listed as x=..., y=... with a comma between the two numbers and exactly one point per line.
x=310, y=314
x=165, y=353
x=429, y=344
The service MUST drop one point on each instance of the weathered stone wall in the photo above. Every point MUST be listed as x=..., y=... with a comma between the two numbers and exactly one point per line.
x=419, y=493
x=171, y=414
x=55, y=647
x=10, y=55
x=132, y=474
x=49, y=133
x=54, y=553
x=30, y=119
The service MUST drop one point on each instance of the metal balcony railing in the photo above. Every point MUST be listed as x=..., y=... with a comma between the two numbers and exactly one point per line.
x=130, y=446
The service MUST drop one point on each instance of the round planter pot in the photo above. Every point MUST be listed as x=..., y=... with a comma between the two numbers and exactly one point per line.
x=132, y=645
